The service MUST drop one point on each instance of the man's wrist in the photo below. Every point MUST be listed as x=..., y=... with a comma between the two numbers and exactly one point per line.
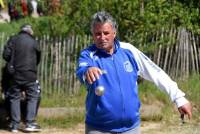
x=181, y=101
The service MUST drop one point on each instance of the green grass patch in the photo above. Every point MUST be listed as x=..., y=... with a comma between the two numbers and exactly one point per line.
x=150, y=94
x=62, y=121
x=64, y=100
x=191, y=86
x=153, y=117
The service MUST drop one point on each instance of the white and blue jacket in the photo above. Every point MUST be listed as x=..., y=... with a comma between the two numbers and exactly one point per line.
x=117, y=110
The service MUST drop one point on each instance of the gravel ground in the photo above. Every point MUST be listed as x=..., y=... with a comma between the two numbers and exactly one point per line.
x=146, y=128
x=159, y=127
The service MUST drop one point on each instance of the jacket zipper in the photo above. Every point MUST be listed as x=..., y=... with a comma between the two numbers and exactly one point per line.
x=122, y=98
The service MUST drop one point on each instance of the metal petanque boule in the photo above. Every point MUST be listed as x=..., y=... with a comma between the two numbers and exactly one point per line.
x=99, y=91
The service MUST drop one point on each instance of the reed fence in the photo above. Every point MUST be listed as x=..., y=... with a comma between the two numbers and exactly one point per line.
x=179, y=57
x=58, y=63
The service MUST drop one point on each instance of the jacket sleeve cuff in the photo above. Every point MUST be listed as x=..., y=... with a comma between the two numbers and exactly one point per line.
x=181, y=101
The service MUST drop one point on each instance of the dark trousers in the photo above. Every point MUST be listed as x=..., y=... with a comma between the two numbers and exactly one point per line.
x=32, y=93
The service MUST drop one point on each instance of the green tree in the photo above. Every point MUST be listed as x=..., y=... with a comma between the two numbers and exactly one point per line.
x=138, y=18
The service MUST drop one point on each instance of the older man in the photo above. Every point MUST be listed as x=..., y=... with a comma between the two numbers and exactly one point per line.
x=115, y=67
x=23, y=55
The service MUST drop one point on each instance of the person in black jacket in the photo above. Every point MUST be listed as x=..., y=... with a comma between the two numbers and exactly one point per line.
x=22, y=55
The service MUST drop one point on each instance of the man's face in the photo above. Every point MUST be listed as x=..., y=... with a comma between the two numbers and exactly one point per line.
x=103, y=35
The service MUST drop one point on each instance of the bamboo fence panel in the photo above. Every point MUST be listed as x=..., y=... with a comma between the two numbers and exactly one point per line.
x=2, y=42
x=179, y=57
x=196, y=57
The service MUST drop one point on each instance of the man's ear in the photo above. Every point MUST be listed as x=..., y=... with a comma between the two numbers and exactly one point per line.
x=115, y=34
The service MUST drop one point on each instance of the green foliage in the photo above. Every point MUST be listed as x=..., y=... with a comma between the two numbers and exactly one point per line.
x=161, y=14
x=9, y=29
x=50, y=25
x=41, y=26
x=142, y=23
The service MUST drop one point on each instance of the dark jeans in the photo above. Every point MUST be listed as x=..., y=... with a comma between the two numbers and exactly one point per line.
x=32, y=93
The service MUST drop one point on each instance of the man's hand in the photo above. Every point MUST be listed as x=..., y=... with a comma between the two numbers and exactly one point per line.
x=92, y=74
x=186, y=109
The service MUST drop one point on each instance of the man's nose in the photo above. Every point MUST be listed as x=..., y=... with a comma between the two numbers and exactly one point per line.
x=102, y=36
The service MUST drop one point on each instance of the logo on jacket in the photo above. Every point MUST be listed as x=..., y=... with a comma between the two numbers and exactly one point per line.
x=83, y=64
x=92, y=55
x=127, y=66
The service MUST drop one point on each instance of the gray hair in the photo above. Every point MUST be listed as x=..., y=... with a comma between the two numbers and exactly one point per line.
x=103, y=17
x=27, y=28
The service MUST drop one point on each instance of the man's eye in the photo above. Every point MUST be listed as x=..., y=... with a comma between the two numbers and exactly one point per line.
x=97, y=34
x=106, y=33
